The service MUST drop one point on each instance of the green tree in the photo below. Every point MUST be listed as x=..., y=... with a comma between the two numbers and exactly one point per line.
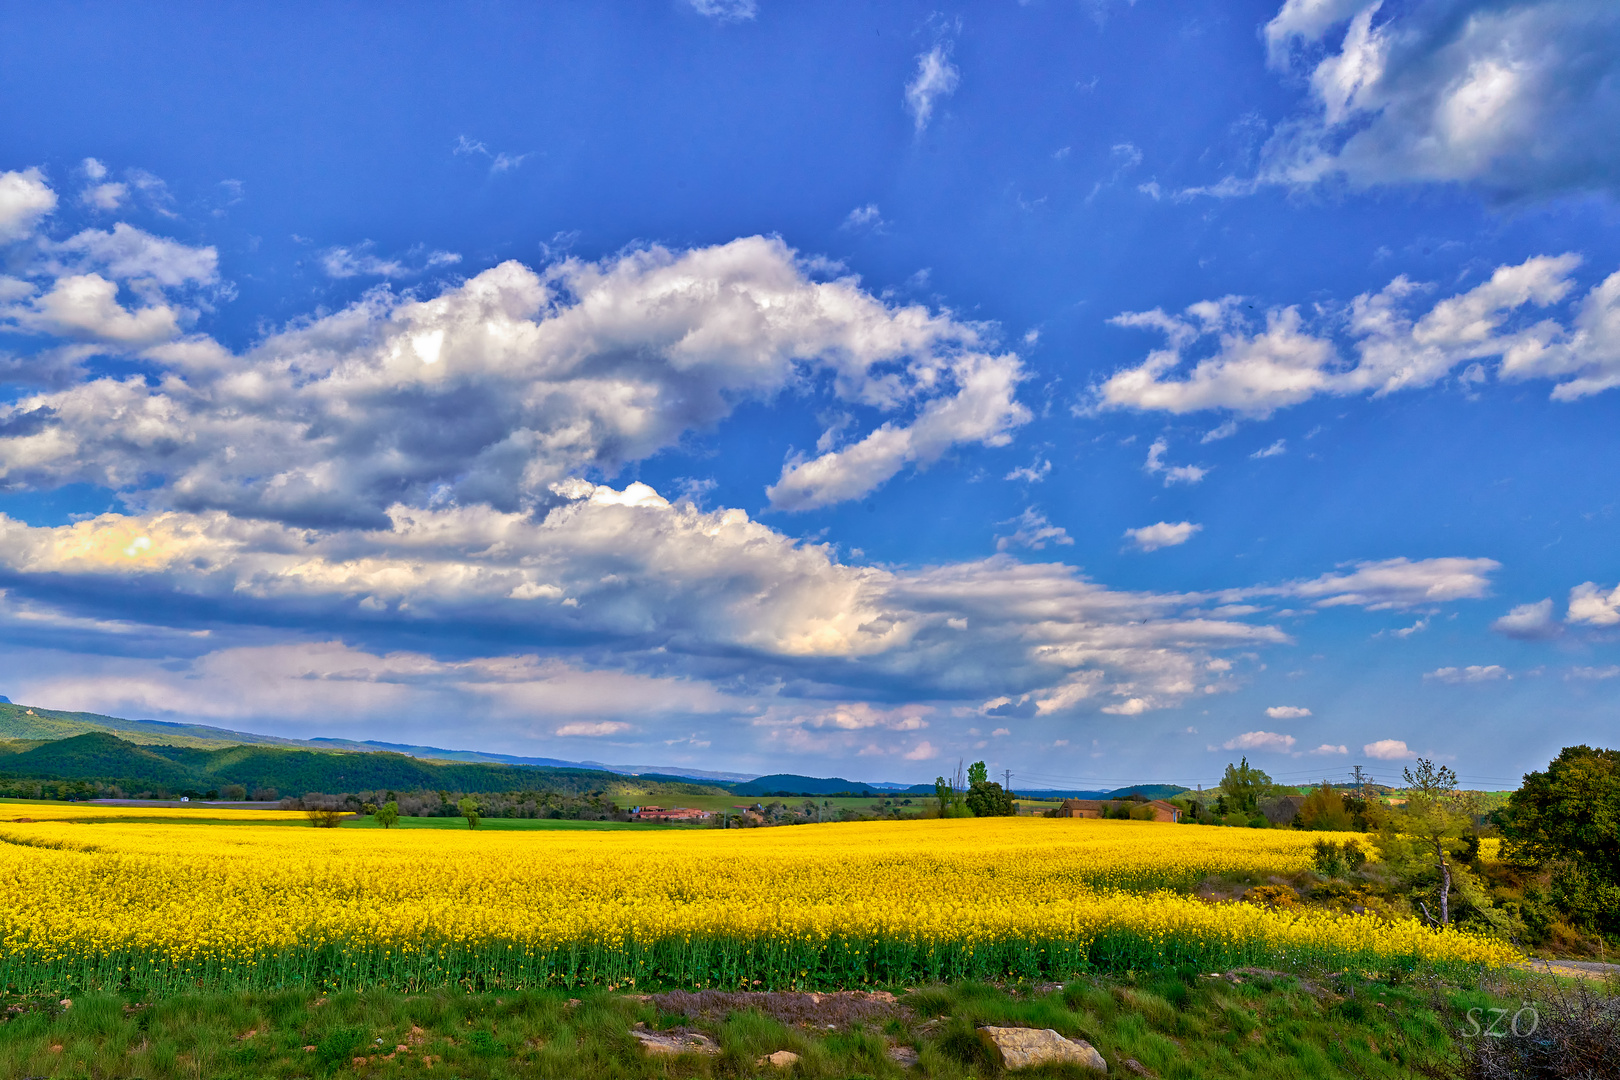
x=388, y=814
x=1431, y=817
x=977, y=774
x=987, y=799
x=469, y=810
x=942, y=792
x=1568, y=817
x=1324, y=810
x=1244, y=786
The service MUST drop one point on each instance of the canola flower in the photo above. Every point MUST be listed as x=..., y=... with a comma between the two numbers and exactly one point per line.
x=94, y=901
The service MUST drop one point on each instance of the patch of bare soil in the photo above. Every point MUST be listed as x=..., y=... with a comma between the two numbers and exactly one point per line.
x=833, y=1010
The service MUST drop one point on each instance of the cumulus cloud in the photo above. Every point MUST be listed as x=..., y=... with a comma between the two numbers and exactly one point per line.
x=582, y=366
x=709, y=592
x=936, y=77
x=1287, y=712
x=1254, y=371
x=1162, y=534
x=1594, y=674
x=1173, y=474
x=25, y=199
x=1328, y=748
x=1528, y=622
x=1386, y=750
x=1260, y=740
x=1591, y=605
x=1473, y=673
x=1517, y=99
x=1033, y=531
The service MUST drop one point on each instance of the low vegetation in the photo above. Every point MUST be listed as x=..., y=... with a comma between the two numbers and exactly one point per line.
x=1175, y=1025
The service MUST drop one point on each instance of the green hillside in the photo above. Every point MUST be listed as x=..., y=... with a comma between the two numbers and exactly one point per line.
x=107, y=759
x=18, y=722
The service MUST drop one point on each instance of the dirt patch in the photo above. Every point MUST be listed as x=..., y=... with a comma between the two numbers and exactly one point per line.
x=836, y=1010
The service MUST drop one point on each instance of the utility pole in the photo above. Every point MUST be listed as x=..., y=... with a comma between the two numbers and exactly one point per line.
x=1006, y=778
x=1359, y=779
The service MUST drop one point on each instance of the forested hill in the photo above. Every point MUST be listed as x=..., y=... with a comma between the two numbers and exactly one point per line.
x=106, y=759
x=31, y=722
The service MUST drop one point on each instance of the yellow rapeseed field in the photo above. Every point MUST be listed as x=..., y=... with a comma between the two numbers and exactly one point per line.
x=98, y=901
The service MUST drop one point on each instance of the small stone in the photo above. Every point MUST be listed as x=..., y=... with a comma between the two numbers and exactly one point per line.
x=67, y=1003
x=671, y=1043
x=309, y=1049
x=573, y=1003
x=1140, y=1069
x=1023, y=1048
x=781, y=1059
x=903, y=1056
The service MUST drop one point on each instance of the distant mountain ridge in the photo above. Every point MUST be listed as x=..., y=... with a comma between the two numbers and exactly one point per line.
x=23, y=725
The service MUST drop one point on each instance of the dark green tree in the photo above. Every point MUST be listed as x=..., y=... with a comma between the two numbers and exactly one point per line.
x=977, y=773
x=388, y=814
x=987, y=799
x=1244, y=786
x=1568, y=818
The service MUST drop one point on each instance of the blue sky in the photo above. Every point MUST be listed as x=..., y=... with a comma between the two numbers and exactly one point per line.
x=1104, y=390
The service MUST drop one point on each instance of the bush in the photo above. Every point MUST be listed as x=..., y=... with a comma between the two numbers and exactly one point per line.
x=1571, y=1033
x=1337, y=859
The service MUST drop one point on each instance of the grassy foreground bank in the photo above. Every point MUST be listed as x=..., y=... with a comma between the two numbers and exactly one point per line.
x=1178, y=1025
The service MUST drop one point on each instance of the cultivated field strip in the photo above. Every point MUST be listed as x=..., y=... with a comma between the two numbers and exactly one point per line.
x=166, y=906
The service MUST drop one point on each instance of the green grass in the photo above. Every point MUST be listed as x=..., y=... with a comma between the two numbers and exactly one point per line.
x=1177, y=1026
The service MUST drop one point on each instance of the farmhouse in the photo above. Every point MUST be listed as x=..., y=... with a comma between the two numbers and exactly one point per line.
x=1095, y=808
x=667, y=813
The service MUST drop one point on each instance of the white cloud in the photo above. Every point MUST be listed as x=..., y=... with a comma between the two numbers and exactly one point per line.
x=1034, y=531
x=1397, y=583
x=1275, y=449
x=1287, y=712
x=86, y=307
x=1528, y=622
x=1328, y=748
x=358, y=261
x=1162, y=535
x=1254, y=372
x=864, y=217
x=726, y=10
x=1261, y=740
x=25, y=199
x=1173, y=474
x=671, y=586
x=999, y=732
x=1386, y=750
x=105, y=197
x=1518, y=99
x=592, y=730
x=936, y=78
x=126, y=253
x=1033, y=473
x=923, y=751
x=588, y=365
x=1595, y=674
x=1473, y=673
x=1592, y=606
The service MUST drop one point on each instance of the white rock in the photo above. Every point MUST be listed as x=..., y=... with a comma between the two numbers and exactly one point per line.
x=781, y=1059
x=1023, y=1048
x=672, y=1043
